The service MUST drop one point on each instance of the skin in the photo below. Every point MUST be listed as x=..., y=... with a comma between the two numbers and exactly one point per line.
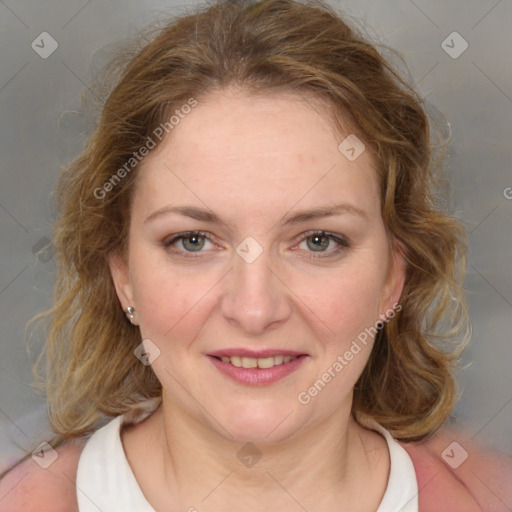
x=261, y=161
x=481, y=483
x=254, y=162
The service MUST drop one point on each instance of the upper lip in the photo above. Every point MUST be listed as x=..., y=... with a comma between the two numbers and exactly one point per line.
x=244, y=352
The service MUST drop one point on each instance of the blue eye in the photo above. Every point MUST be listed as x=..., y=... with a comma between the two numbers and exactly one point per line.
x=319, y=244
x=192, y=241
x=322, y=242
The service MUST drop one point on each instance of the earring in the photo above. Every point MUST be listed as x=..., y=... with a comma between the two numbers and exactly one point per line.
x=129, y=313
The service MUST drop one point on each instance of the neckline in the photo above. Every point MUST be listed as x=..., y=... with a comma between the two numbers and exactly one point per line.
x=401, y=489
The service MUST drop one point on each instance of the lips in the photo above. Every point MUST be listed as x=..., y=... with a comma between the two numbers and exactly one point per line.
x=257, y=362
x=243, y=358
x=257, y=367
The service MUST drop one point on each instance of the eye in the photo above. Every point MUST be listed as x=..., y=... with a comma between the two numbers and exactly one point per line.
x=325, y=243
x=190, y=241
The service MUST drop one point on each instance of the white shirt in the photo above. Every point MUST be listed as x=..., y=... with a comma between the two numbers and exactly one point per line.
x=105, y=481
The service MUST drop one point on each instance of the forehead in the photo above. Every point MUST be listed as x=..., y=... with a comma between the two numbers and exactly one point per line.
x=254, y=154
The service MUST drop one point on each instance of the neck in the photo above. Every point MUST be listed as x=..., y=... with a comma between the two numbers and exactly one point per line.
x=327, y=464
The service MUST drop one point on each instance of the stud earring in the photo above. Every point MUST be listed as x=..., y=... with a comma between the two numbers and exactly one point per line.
x=129, y=313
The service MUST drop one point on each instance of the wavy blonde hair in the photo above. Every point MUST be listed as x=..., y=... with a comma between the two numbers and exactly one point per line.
x=88, y=366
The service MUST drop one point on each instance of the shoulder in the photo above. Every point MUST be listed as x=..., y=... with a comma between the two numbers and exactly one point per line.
x=29, y=487
x=455, y=473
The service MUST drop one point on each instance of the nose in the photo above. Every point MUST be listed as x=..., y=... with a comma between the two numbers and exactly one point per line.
x=255, y=298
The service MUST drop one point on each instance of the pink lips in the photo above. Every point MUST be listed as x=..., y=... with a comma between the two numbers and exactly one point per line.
x=257, y=376
x=241, y=352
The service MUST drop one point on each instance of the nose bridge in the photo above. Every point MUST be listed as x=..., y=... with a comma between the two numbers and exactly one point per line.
x=254, y=298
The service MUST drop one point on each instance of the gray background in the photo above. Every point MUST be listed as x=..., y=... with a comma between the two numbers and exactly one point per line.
x=41, y=128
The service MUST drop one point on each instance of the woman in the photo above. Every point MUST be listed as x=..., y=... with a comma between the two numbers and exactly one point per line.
x=254, y=285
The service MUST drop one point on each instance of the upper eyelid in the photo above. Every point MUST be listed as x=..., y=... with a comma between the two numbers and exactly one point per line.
x=328, y=234
x=339, y=239
x=187, y=234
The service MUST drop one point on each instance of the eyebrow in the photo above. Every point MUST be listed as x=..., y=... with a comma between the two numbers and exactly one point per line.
x=301, y=216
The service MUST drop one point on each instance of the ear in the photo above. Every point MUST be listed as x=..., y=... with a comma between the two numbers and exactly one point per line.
x=395, y=279
x=121, y=279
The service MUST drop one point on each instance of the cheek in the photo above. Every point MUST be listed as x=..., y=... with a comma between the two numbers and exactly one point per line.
x=349, y=307
x=171, y=304
x=346, y=304
x=174, y=303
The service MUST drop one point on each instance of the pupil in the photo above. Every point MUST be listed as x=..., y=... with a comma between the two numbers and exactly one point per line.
x=318, y=242
x=193, y=243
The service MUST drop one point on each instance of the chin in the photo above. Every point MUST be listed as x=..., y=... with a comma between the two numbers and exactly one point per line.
x=259, y=424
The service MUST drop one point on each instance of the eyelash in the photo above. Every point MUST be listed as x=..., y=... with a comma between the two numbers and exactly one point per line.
x=342, y=243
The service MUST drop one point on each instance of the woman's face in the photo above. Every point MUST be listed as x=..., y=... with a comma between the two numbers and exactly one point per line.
x=261, y=180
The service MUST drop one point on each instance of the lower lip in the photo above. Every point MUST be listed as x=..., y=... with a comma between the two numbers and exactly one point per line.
x=258, y=376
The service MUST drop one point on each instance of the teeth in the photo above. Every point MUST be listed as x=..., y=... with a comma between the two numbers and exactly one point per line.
x=265, y=362
x=249, y=362
x=261, y=362
x=236, y=361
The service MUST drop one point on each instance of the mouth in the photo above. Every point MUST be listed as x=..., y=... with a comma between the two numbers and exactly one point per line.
x=257, y=362
x=257, y=368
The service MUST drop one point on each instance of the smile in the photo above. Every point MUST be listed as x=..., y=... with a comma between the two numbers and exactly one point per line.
x=262, y=370
x=260, y=362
